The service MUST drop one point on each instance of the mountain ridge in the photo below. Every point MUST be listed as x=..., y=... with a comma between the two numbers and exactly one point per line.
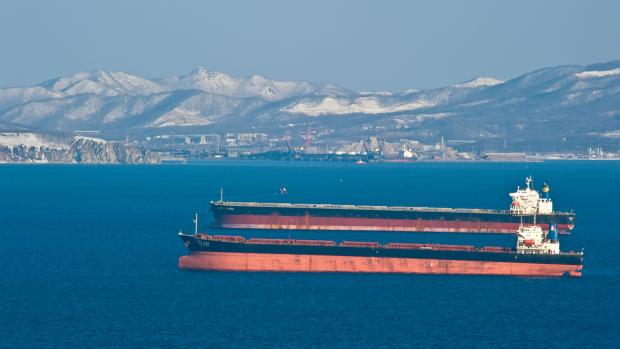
x=480, y=109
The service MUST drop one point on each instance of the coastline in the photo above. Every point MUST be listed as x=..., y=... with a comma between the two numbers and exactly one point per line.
x=254, y=161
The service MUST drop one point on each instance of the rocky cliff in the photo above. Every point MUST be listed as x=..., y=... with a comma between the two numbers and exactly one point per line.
x=36, y=148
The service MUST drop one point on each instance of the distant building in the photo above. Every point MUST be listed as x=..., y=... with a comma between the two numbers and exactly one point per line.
x=505, y=156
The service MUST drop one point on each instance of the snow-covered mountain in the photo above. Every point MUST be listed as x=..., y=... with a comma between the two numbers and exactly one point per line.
x=254, y=86
x=115, y=99
x=574, y=101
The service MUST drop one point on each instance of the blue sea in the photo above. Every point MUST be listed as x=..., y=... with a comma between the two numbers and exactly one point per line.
x=88, y=259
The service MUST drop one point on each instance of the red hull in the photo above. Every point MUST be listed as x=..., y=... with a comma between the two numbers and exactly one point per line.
x=367, y=224
x=228, y=261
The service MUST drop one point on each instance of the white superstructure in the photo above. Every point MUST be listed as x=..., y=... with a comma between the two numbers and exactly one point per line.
x=532, y=239
x=527, y=201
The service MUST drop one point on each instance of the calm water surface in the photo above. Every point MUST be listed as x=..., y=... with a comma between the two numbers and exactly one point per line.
x=88, y=258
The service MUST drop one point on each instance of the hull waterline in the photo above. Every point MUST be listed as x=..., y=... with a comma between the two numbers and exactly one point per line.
x=265, y=262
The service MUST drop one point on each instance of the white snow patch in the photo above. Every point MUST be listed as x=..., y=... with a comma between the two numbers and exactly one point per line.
x=85, y=109
x=25, y=139
x=598, y=73
x=181, y=117
x=582, y=97
x=475, y=103
x=434, y=116
x=479, y=82
x=84, y=138
x=410, y=91
x=30, y=113
x=375, y=93
x=553, y=88
x=19, y=95
x=611, y=134
x=116, y=113
x=225, y=85
x=363, y=105
x=424, y=117
x=102, y=83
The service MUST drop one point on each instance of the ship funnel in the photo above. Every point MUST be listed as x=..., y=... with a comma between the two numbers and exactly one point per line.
x=546, y=189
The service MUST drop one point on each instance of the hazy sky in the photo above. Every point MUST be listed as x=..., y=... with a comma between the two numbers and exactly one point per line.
x=362, y=45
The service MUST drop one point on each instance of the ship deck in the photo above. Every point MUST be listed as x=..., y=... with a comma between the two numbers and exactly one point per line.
x=284, y=205
x=237, y=239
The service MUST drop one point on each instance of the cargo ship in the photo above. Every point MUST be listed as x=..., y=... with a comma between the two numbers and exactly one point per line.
x=525, y=203
x=537, y=253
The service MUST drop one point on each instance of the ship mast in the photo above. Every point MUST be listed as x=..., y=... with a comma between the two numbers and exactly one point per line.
x=221, y=194
x=195, y=223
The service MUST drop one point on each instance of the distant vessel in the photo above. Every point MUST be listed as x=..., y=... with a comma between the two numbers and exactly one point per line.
x=536, y=254
x=525, y=203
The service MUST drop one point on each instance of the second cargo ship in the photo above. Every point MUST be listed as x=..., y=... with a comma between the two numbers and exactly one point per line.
x=526, y=203
x=536, y=254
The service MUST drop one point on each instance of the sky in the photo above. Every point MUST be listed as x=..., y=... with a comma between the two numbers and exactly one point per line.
x=360, y=45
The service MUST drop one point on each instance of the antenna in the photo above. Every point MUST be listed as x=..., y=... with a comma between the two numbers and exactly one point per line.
x=195, y=223
x=528, y=182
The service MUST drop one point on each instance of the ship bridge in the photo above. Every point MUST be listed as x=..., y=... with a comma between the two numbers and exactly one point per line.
x=527, y=201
